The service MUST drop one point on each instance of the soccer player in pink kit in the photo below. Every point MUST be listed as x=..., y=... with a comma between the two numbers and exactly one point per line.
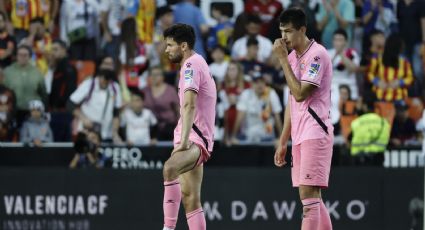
x=308, y=72
x=193, y=136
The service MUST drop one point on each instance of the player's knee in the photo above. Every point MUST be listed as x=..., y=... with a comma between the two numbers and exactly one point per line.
x=309, y=192
x=169, y=171
x=190, y=199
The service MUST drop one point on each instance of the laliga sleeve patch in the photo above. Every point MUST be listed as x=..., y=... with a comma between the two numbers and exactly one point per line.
x=313, y=71
x=188, y=76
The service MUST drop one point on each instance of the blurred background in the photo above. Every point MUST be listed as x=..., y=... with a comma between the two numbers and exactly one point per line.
x=88, y=106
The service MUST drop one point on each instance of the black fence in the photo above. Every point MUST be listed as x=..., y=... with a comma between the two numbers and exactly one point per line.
x=233, y=198
x=153, y=157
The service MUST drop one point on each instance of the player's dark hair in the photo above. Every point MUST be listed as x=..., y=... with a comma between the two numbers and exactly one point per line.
x=342, y=32
x=181, y=33
x=295, y=16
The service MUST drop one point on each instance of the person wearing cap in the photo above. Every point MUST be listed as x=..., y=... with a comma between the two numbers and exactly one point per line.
x=36, y=130
x=259, y=109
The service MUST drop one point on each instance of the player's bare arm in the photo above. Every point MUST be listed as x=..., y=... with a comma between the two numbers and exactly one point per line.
x=300, y=90
x=188, y=115
x=279, y=156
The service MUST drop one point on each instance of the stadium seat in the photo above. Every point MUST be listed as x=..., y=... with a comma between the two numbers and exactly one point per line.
x=84, y=69
x=386, y=110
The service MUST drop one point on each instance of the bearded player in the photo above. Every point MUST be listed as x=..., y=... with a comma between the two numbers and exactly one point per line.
x=193, y=136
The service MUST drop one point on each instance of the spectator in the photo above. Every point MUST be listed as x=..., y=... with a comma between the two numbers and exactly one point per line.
x=411, y=20
x=403, y=131
x=7, y=43
x=253, y=26
x=140, y=123
x=345, y=62
x=369, y=136
x=251, y=66
x=334, y=14
x=26, y=81
x=233, y=86
x=79, y=28
x=163, y=101
x=260, y=108
x=62, y=84
x=219, y=65
x=7, y=109
x=188, y=13
x=344, y=97
x=391, y=73
x=143, y=11
x=377, y=14
x=374, y=47
x=96, y=104
x=23, y=11
x=86, y=148
x=134, y=55
x=221, y=34
x=165, y=18
x=222, y=106
x=112, y=15
x=36, y=129
x=267, y=10
x=420, y=126
x=40, y=41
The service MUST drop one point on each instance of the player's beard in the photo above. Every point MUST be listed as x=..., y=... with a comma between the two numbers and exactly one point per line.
x=177, y=58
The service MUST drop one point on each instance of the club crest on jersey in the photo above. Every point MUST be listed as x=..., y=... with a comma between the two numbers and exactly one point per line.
x=314, y=70
x=188, y=76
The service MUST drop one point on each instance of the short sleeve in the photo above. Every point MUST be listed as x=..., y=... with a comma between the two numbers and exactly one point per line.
x=192, y=77
x=315, y=70
x=152, y=119
x=275, y=102
x=81, y=92
x=242, y=104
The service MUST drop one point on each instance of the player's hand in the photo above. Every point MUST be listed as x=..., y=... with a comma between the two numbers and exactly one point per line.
x=279, y=155
x=279, y=48
x=182, y=147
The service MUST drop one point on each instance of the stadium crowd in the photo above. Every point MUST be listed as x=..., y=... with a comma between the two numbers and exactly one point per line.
x=99, y=65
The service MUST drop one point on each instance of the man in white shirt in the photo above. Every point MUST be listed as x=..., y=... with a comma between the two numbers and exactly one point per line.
x=253, y=27
x=97, y=102
x=259, y=109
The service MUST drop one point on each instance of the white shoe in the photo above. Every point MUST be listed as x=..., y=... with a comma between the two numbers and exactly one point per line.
x=165, y=228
